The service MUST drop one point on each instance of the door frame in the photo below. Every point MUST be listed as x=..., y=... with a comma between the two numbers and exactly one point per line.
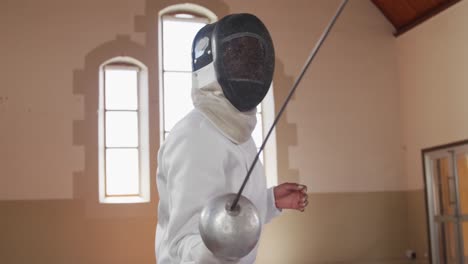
x=427, y=154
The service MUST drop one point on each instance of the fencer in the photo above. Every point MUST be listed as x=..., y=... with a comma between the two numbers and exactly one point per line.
x=209, y=151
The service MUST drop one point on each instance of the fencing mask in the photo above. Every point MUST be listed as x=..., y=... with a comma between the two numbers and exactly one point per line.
x=237, y=54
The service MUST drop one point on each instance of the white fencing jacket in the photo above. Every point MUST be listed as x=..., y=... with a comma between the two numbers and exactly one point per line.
x=195, y=163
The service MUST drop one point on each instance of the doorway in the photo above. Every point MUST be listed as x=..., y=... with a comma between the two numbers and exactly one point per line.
x=446, y=179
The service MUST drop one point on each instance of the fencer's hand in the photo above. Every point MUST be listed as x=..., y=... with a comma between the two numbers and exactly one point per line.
x=291, y=196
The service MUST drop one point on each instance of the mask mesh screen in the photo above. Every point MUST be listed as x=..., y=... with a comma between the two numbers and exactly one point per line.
x=244, y=58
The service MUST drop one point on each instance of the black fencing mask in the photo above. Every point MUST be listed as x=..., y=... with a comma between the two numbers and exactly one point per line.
x=237, y=54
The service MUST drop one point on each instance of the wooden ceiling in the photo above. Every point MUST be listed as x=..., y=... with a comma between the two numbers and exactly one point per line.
x=405, y=14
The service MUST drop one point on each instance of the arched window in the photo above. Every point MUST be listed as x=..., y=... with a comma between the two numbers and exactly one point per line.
x=123, y=132
x=178, y=25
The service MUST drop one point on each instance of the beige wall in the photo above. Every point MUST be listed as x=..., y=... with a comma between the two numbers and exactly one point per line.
x=357, y=227
x=340, y=134
x=433, y=63
x=43, y=43
x=346, y=109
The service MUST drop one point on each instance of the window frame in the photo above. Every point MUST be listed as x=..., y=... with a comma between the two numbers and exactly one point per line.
x=143, y=195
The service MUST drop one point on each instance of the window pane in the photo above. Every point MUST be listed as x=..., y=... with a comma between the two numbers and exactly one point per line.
x=122, y=172
x=121, y=89
x=121, y=129
x=177, y=97
x=177, y=44
x=258, y=132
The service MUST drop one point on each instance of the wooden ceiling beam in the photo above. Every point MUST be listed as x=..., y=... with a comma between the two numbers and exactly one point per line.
x=406, y=14
x=425, y=16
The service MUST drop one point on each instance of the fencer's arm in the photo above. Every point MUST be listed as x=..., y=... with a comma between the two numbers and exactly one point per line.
x=272, y=210
x=195, y=174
